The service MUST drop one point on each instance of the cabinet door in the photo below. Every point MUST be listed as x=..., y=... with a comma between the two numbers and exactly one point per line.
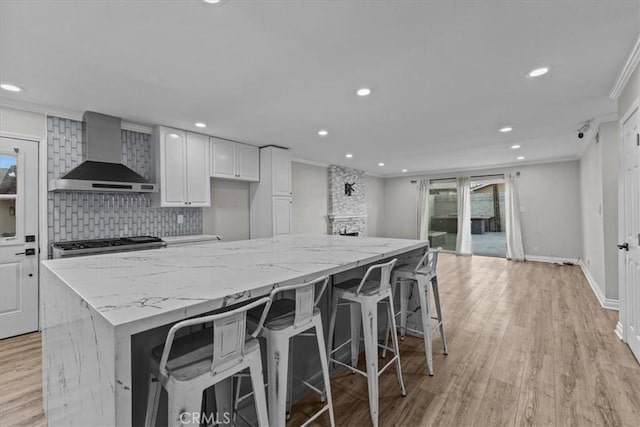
x=172, y=167
x=281, y=172
x=197, y=170
x=248, y=162
x=282, y=213
x=223, y=159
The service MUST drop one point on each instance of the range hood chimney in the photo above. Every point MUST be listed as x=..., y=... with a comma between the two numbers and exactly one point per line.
x=103, y=170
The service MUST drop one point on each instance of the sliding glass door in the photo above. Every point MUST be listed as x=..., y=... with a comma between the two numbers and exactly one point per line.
x=488, y=228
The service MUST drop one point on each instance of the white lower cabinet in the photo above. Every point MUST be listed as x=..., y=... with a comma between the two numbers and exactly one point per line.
x=182, y=168
x=282, y=213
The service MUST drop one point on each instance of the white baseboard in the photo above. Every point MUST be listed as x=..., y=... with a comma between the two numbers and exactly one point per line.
x=551, y=259
x=619, y=330
x=608, y=303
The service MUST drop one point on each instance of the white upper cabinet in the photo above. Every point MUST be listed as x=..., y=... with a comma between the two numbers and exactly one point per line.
x=248, y=162
x=223, y=158
x=232, y=160
x=281, y=172
x=197, y=170
x=182, y=168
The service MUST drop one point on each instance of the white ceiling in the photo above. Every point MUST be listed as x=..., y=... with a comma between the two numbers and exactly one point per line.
x=445, y=75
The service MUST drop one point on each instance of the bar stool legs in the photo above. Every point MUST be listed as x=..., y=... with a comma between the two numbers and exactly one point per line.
x=436, y=298
x=367, y=312
x=425, y=312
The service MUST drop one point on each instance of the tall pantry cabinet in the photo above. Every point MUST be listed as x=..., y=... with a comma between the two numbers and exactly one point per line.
x=271, y=204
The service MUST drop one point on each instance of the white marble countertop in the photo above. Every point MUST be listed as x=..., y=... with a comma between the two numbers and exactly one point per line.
x=179, y=282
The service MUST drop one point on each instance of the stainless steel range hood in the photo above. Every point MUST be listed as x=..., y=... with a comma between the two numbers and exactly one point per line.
x=103, y=170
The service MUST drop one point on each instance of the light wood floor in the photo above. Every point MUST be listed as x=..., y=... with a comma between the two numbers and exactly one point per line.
x=528, y=345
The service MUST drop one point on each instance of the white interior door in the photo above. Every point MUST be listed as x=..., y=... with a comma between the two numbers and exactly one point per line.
x=18, y=237
x=630, y=252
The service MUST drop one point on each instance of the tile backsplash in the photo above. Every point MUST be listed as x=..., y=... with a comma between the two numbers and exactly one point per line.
x=74, y=215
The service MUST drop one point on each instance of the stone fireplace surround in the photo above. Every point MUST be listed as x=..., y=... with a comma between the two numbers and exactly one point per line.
x=347, y=214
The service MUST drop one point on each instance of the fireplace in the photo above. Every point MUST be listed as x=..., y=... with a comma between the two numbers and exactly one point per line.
x=348, y=214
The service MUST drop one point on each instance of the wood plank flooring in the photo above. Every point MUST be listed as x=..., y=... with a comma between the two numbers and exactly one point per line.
x=528, y=345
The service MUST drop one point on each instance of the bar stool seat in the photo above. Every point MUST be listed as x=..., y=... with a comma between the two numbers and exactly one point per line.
x=281, y=314
x=349, y=287
x=191, y=355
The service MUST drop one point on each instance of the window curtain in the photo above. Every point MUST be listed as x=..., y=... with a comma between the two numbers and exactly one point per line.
x=463, y=241
x=423, y=210
x=515, y=248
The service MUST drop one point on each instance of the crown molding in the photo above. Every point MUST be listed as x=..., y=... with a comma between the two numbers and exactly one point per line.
x=458, y=172
x=627, y=71
x=309, y=162
x=65, y=114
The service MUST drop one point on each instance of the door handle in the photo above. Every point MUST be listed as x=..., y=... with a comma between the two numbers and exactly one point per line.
x=624, y=246
x=27, y=252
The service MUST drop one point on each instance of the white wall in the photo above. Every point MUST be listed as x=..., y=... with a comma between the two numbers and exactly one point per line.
x=310, y=198
x=374, y=196
x=549, y=193
x=592, y=213
x=609, y=141
x=228, y=215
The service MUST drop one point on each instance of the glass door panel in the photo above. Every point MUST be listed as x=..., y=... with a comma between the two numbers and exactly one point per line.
x=443, y=212
x=8, y=194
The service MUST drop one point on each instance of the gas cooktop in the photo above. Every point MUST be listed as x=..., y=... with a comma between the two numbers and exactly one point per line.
x=101, y=246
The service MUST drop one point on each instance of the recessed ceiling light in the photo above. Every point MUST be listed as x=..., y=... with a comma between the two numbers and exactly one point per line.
x=520, y=157
x=200, y=125
x=348, y=155
x=364, y=91
x=515, y=147
x=506, y=129
x=212, y=1
x=404, y=170
x=10, y=87
x=380, y=164
x=323, y=132
x=539, y=72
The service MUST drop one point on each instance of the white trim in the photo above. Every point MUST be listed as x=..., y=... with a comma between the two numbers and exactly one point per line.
x=66, y=114
x=632, y=108
x=136, y=127
x=434, y=174
x=346, y=216
x=609, y=304
x=309, y=162
x=552, y=259
x=627, y=71
x=619, y=330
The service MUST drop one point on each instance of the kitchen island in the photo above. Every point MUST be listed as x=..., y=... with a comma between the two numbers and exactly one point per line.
x=101, y=315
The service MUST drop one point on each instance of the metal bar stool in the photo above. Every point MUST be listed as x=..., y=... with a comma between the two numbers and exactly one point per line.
x=288, y=318
x=423, y=273
x=187, y=366
x=363, y=296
